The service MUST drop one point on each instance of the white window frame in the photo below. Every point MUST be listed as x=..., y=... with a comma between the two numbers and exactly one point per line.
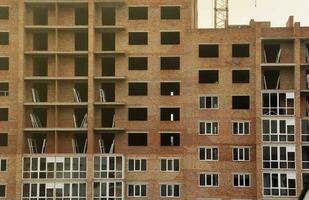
x=279, y=161
x=213, y=106
x=107, y=184
x=169, y=186
x=169, y=164
x=211, y=149
x=289, y=176
x=6, y=164
x=241, y=127
x=137, y=186
x=278, y=135
x=214, y=128
x=241, y=153
x=304, y=133
x=241, y=177
x=117, y=171
x=210, y=175
x=137, y=161
x=275, y=111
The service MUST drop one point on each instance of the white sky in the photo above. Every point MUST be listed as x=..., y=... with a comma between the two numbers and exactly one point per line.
x=241, y=11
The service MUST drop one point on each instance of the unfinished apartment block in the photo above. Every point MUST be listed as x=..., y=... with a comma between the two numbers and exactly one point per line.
x=128, y=99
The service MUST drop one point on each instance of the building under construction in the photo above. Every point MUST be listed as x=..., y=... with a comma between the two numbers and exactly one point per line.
x=128, y=99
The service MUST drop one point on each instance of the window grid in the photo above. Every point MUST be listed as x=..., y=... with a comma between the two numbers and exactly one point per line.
x=109, y=167
x=209, y=180
x=169, y=164
x=279, y=184
x=209, y=128
x=137, y=190
x=209, y=102
x=241, y=154
x=241, y=128
x=137, y=164
x=278, y=103
x=241, y=180
x=278, y=130
x=169, y=190
x=209, y=153
x=108, y=190
x=278, y=157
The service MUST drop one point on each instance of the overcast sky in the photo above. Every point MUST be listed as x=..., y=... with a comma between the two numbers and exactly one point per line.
x=241, y=11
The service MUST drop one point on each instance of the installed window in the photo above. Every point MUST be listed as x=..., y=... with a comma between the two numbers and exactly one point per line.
x=304, y=130
x=138, y=13
x=279, y=184
x=40, y=15
x=209, y=153
x=4, y=38
x=137, y=114
x=169, y=164
x=169, y=114
x=170, y=63
x=170, y=12
x=137, y=190
x=241, y=128
x=209, y=180
x=4, y=89
x=305, y=156
x=138, y=89
x=209, y=127
x=169, y=190
x=208, y=50
x=2, y=190
x=170, y=88
x=108, y=16
x=81, y=16
x=138, y=38
x=241, y=102
x=241, y=180
x=4, y=63
x=137, y=139
x=4, y=12
x=3, y=165
x=241, y=154
x=108, y=190
x=279, y=157
x=240, y=50
x=170, y=139
x=208, y=76
x=3, y=139
x=240, y=76
x=137, y=164
x=276, y=130
x=278, y=103
x=4, y=114
x=170, y=38
x=209, y=102
x=138, y=63
x=108, y=166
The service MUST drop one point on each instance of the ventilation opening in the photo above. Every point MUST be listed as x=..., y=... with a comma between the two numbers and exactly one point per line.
x=40, y=66
x=170, y=12
x=138, y=63
x=40, y=41
x=271, y=79
x=80, y=118
x=240, y=50
x=79, y=143
x=39, y=92
x=108, y=66
x=37, y=143
x=107, y=143
x=208, y=50
x=81, y=66
x=137, y=139
x=168, y=63
x=3, y=139
x=107, y=92
x=81, y=16
x=108, y=117
x=138, y=13
x=4, y=12
x=170, y=114
x=138, y=114
x=170, y=88
x=40, y=16
x=241, y=102
x=168, y=38
x=272, y=53
x=108, y=16
x=80, y=92
x=138, y=38
x=241, y=76
x=4, y=89
x=38, y=117
x=108, y=41
x=208, y=76
x=4, y=38
x=138, y=89
x=4, y=63
x=81, y=41
x=170, y=139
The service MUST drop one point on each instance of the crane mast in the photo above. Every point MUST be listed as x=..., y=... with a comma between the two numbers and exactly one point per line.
x=221, y=11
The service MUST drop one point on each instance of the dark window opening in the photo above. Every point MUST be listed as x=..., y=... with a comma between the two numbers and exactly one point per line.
x=170, y=12
x=168, y=63
x=138, y=63
x=241, y=102
x=81, y=41
x=108, y=41
x=272, y=53
x=4, y=114
x=40, y=92
x=81, y=16
x=40, y=66
x=138, y=38
x=41, y=117
x=4, y=38
x=241, y=76
x=80, y=117
x=4, y=89
x=2, y=190
x=306, y=181
x=138, y=13
x=208, y=76
x=108, y=117
x=80, y=92
x=137, y=139
x=271, y=79
x=138, y=89
x=4, y=63
x=170, y=114
x=40, y=41
x=107, y=142
x=38, y=143
x=108, y=66
x=3, y=165
x=3, y=139
x=108, y=16
x=168, y=38
x=170, y=88
x=4, y=12
x=40, y=16
x=80, y=143
x=240, y=50
x=81, y=66
x=208, y=50
x=170, y=139
x=108, y=91
x=137, y=114
x=305, y=157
